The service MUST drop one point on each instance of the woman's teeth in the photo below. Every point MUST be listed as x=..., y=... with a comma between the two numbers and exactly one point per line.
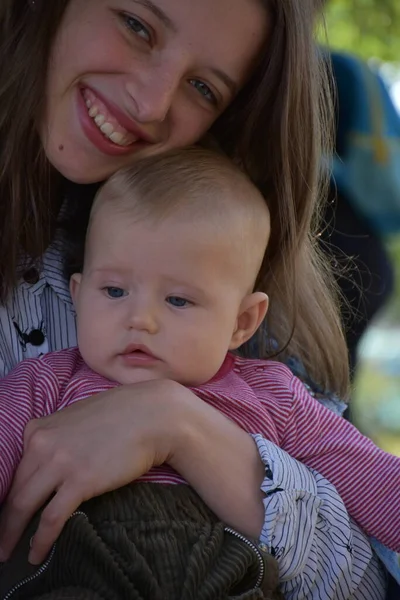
x=117, y=134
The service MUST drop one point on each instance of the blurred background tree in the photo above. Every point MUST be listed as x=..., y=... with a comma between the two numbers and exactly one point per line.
x=368, y=28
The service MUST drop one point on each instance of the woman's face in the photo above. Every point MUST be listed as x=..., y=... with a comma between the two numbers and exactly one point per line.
x=134, y=77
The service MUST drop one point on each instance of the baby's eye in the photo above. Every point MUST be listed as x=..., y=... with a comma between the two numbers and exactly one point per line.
x=115, y=292
x=178, y=302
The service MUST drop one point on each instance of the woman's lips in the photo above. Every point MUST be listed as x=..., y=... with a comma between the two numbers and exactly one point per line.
x=113, y=139
x=106, y=121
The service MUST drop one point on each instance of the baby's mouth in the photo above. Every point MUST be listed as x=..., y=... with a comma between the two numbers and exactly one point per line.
x=105, y=121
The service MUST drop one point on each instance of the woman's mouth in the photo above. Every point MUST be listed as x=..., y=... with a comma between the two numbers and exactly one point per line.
x=106, y=122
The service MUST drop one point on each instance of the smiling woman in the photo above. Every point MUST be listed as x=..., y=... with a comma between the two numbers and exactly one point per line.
x=141, y=77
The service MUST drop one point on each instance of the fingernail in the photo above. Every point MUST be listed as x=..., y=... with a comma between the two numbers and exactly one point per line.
x=33, y=559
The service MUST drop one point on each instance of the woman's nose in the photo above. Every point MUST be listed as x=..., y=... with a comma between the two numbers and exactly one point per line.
x=154, y=93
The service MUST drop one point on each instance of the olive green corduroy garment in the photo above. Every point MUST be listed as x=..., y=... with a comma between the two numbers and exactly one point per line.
x=143, y=542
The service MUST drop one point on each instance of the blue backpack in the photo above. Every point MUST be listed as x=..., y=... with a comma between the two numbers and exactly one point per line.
x=366, y=168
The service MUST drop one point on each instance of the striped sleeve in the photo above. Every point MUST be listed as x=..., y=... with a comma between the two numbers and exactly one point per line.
x=366, y=477
x=321, y=552
x=30, y=391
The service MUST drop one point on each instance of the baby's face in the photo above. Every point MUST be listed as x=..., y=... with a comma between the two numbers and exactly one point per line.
x=156, y=300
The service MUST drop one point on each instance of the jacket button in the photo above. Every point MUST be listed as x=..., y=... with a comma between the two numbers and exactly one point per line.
x=36, y=337
x=31, y=276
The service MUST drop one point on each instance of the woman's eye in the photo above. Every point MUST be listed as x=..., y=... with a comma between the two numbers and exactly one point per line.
x=115, y=292
x=178, y=302
x=136, y=26
x=204, y=90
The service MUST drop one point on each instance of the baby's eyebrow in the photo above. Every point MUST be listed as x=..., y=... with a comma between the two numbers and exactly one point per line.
x=103, y=271
x=185, y=287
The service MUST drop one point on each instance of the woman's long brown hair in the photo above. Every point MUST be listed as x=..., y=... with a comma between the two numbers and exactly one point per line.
x=28, y=206
x=277, y=128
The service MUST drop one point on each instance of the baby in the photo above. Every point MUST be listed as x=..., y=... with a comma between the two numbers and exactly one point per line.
x=168, y=290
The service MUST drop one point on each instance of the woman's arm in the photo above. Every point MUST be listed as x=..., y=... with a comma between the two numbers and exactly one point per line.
x=222, y=463
x=366, y=477
x=320, y=551
x=109, y=440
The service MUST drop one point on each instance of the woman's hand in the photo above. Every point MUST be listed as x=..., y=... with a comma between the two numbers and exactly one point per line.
x=94, y=446
x=104, y=442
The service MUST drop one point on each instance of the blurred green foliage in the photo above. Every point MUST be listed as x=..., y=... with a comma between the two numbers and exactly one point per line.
x=368, y=28
x=394, y=249
x=371, y=29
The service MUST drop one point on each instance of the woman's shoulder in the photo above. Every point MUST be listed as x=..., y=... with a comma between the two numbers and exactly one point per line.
x=38, y=316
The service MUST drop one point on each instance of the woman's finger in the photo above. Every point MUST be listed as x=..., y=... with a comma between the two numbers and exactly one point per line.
x=21, y=505
x=52, y=521
x=26, y=470
x=30, y=461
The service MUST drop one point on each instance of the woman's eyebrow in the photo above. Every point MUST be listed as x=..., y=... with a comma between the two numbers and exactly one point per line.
x=160, y=14
x=226, y=79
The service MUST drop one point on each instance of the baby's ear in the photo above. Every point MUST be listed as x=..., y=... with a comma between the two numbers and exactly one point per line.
x=74, y=285
x=251, y=314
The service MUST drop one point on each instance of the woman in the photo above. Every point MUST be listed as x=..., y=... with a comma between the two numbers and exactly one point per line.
x=86, y=86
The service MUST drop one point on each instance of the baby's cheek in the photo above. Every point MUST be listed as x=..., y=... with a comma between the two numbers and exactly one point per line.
x=92, y=335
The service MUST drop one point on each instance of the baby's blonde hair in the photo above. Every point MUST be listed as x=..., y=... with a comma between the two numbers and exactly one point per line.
x=199, y=186
x=192, y=183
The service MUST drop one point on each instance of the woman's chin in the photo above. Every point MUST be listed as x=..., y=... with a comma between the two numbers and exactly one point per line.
x=77, y=162
x=79, y=169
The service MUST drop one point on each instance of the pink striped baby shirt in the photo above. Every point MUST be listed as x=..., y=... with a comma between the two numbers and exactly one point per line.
x=260, y=396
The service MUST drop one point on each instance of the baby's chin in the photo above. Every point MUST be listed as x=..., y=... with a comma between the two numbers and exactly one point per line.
x=130, y=374
x=136, y=375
